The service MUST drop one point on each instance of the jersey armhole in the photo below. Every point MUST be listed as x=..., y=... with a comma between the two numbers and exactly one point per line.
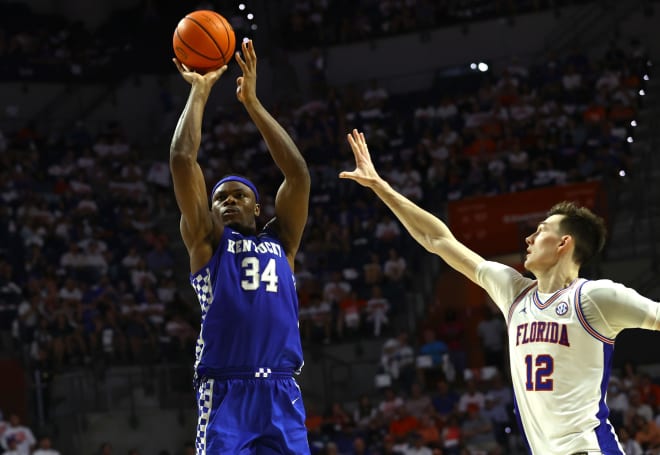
x=517, y=300
x=583, y=320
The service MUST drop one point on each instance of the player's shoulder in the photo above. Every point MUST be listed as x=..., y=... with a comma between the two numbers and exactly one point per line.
x=501, y=271
x=600, y=284
x=598, y=289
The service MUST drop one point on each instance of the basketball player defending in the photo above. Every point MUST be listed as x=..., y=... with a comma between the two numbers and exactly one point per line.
x=249, y=344
x=561, y=328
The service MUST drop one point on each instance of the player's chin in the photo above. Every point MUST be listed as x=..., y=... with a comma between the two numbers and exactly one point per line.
x=240, y=227
x=234, y=224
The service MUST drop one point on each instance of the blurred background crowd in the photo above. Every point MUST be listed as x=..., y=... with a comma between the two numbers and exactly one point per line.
x=92, y=275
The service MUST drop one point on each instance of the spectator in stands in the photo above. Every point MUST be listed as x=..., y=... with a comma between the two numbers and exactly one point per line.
x=428, y=429
x=445, y=399
x=649, y=392
x=492, y=332
x=637, y=407
x=417, y=445
x=10, y=298
x=45, y=447
x=373, y=270
x=351, y=315
x=21, y=435
x=364, y=412
x=360, y=447
x=389, y=405
x=498, y=414
x=617, y=402
x=432, y=347
x=647, y=433
x=336, y=289
x=337, y=421
x=477, y=431
x=11, y=444
x=629, y=444
x=377, y=308
x=418, y=402
x=402, y=424
x=471, y=396
x=452, y=435
x=451, y=330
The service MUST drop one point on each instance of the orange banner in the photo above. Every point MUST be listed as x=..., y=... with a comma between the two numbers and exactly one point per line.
x=492, y=225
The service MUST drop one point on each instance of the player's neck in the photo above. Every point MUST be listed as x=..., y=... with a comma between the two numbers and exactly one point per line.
x=557, y=278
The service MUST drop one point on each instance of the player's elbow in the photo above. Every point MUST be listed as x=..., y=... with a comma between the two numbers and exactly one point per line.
x=427, y=242
x=180, y=158
x=300, y=177
x=304, y=180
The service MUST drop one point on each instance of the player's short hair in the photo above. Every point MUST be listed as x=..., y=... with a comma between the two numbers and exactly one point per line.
x=587, y=229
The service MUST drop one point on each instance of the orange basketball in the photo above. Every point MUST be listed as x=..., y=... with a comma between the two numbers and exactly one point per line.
x=204, y=41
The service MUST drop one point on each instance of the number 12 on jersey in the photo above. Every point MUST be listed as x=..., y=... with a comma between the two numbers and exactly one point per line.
x=539, y=370
x=253, y=277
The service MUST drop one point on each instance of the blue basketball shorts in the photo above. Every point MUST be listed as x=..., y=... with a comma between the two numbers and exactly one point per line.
x=250, y=416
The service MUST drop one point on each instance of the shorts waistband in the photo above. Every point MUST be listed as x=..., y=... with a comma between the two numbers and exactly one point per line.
x=257, y=373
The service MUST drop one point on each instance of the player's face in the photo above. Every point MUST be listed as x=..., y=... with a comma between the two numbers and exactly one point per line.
x=543, y=245
x=234, y=203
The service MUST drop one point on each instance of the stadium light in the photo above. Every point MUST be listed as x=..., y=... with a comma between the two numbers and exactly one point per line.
x=630, y=140
x=473, y=66
x=483, y=67
x=646, y=77
x=633, y=123
x=622, y=173
x=250, y=16
x=642, y=92
x=241, y=6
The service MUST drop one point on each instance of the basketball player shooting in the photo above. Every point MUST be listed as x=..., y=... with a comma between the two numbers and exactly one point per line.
x=561, y=328
x=249, y=345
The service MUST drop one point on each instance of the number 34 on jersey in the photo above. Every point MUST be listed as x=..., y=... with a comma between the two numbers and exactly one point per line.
x=254, y=273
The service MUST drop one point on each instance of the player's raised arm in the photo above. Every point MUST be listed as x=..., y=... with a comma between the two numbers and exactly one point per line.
x=428, y=230
x=189, y=184
x=291, y=202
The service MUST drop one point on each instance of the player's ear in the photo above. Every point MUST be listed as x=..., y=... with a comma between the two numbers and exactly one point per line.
x=257, y=209
x=565, y=241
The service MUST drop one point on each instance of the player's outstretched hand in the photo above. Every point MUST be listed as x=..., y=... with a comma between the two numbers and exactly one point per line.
x=365, y=172
x=193, y=77
x=246, y=85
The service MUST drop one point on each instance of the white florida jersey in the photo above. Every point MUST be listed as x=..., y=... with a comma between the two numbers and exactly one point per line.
x=560, y=348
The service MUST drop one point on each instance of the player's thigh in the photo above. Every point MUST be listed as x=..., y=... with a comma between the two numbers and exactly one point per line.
x=218, y=433
x=287, y=433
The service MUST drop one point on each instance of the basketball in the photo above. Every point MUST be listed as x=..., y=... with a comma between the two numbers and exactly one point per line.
x=204, y=41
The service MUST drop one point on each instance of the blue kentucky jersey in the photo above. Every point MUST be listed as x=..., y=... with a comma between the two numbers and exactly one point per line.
x=249, y=307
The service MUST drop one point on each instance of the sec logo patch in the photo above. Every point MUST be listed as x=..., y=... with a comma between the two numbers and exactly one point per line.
x=562, y=308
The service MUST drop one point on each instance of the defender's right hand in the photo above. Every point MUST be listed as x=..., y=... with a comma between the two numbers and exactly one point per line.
x=365, y=172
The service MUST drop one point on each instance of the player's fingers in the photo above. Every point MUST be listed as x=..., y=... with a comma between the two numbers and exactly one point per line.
x=178, y=65
x=347, y=175
x=219, y=71
x=251, y=51
x=358, y=140
x=240, y=60
x=352, y=143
